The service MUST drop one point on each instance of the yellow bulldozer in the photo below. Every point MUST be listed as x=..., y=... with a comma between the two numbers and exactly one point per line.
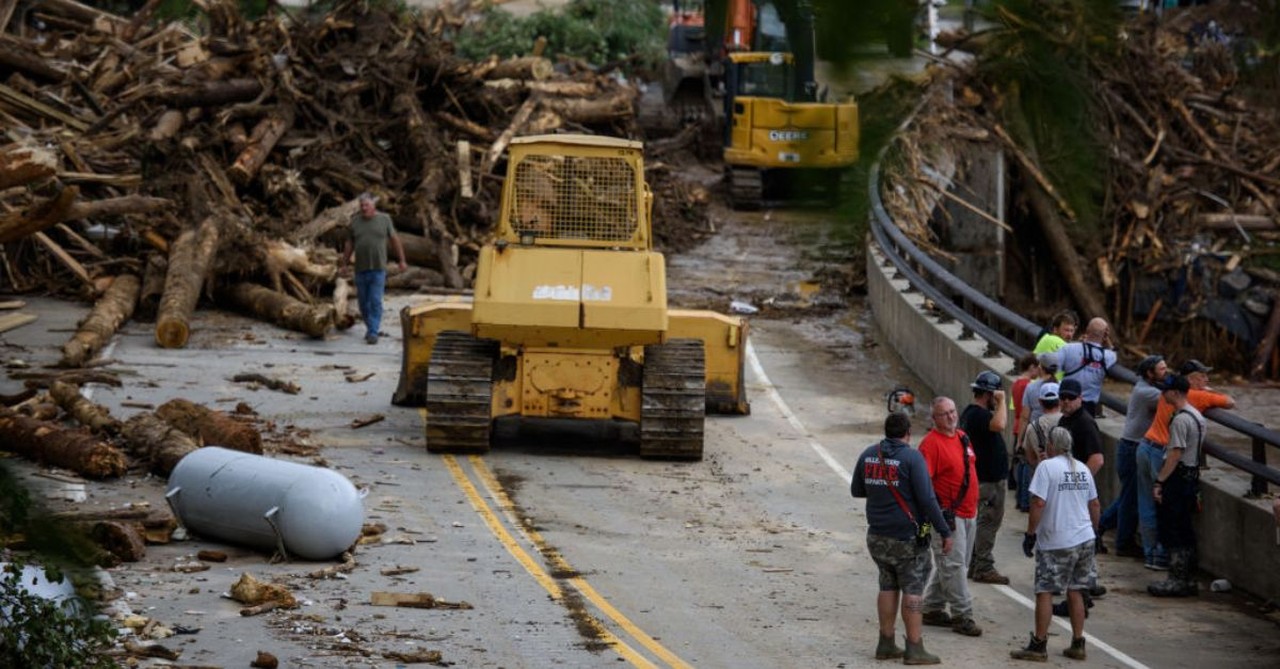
x=569, y=318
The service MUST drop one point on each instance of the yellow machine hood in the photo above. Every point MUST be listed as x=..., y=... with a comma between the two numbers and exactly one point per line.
x=548, y=296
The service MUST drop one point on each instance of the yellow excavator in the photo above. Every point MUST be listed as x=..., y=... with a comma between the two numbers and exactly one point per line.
x=569, y=315
x=749, y=78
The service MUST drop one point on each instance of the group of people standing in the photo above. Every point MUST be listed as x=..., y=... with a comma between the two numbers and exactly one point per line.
x=940, y=506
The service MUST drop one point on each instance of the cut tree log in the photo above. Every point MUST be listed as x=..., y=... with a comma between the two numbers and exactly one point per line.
x=123, y=540
x=21, y=165
x=118, y=206
x=210, y=426
x=51, y=444
x=343, y=291
x=211, y=94
x=111, y=311
x=150, y=438
x=606, y=108
x=499, y=145
x=279, y=308
x=333, y=217
x=89, y=414
x=189, y=260
x=265, y=135
x=524, y=67
x=168, y=125
x=44, y=214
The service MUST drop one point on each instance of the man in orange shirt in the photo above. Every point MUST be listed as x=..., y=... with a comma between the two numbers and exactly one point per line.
x=952, y=466
x=1151, y=455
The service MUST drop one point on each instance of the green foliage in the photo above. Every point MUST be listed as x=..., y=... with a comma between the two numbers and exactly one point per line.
x=1038, y=61
x=598, y=31
x=35, y=632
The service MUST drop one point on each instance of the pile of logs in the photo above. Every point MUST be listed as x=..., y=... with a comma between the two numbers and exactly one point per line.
x=1193, y=191
x=154, y=167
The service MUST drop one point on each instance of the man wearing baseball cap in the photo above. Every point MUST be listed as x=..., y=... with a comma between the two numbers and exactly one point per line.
x=1176, y=488
x=1151, y=456
x=1123, y=512
x=1086, y=446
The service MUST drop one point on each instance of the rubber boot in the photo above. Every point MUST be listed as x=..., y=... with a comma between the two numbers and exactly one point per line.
x=1076, y=650
x=1037, y=650
x=887, y=649
x=916, y=654
x=1180, y=582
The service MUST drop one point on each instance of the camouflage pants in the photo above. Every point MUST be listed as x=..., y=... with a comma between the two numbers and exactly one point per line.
x=1065, y=568
x=903, y=565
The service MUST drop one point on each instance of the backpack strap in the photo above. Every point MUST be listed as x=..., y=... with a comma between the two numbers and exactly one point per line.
x=897, y=495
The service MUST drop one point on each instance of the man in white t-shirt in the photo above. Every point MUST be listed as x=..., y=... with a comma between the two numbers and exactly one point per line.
x=1061, y=529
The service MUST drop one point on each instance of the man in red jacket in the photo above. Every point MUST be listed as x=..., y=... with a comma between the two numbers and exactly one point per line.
x=952, y=469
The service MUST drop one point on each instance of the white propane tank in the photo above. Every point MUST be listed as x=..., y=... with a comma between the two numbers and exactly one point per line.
x=252, y=500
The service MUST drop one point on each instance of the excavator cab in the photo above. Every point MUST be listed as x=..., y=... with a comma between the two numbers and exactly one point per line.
x=780, y=143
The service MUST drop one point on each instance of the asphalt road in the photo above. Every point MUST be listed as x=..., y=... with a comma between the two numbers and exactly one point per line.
x=571, y=550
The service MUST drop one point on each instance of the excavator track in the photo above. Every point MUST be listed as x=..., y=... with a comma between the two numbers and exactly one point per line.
x=673, y=400
x=746, y=188
x=459, y=393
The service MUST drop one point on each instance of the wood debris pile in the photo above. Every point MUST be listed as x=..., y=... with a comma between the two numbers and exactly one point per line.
x=222, y=160
x=1183, y=261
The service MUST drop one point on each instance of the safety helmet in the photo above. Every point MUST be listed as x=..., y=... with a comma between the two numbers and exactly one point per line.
x=901, y=399
x=987, y=381
x=1148, y=363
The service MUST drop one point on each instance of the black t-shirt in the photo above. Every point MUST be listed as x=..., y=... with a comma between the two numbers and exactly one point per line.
x=1085, y=437
x=988, y=446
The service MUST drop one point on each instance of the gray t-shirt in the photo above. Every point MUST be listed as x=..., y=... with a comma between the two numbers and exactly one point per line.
x=369, y=238
x=1031, y=436
x=1142, y=410
x=1186, y=431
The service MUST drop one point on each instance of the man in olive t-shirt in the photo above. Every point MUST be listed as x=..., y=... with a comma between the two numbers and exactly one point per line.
x=370, y=232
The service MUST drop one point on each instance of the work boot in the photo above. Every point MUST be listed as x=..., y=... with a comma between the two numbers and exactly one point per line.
x=1076, y=650
x=887, y=649
x=1180, y=582
x=992, y=576
x=937, y=618
x=966, y=626
x=1037, y=650
x=916, y=654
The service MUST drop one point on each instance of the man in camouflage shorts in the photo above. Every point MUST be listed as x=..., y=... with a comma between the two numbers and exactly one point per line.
x=1061, y=530
x=894, y=479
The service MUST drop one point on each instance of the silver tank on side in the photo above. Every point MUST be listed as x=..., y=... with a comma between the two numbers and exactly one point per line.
x=251, y=500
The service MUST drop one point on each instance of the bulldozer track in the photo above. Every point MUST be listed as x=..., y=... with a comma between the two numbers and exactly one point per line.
x=746, y=188
x=673, y=400
x=459, y=393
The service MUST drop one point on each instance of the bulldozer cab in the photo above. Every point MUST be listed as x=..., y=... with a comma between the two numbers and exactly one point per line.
x=569, y=319
x=577, y=192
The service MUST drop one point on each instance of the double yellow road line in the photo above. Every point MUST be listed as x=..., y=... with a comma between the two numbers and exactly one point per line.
x=544, y=578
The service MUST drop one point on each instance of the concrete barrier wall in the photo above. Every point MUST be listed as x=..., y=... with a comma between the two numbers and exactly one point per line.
x=1238, y=539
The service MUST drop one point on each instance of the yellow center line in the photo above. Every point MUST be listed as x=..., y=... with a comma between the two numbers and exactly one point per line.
x=580, y=584
x=524, y=558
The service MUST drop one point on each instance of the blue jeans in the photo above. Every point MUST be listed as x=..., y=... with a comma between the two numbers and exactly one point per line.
x=1123, y=512
x=370, y=285
x=1022, y=472
x=1149, y=460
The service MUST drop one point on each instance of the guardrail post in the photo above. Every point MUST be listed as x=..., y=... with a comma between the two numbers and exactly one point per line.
x=1259, y=486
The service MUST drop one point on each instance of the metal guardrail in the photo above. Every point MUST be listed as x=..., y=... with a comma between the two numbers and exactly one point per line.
x=1003, y=329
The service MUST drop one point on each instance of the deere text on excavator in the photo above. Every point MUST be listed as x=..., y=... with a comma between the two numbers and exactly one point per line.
x=569, y=315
